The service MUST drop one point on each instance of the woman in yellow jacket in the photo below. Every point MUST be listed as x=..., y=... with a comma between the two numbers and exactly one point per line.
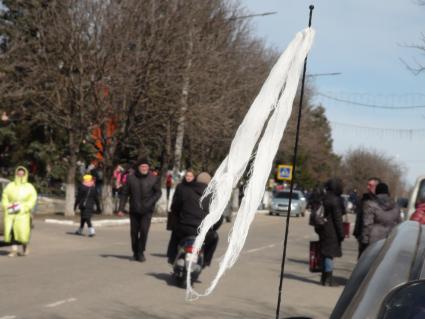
x=18, y=200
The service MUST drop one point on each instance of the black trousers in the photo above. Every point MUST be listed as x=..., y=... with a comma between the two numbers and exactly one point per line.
x=85, y=220
x=139, y=228
x=182, y=231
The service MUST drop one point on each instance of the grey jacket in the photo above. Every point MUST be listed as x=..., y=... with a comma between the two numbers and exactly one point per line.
x=380, y=217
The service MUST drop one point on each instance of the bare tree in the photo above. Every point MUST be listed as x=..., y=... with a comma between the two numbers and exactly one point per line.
x=361, y=164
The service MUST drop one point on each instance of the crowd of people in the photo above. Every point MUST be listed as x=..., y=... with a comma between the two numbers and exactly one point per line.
x=376, y=215
x=139, y=186
x=376, y=212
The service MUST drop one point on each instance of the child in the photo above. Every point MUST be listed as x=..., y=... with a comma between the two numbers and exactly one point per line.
x=87, y=197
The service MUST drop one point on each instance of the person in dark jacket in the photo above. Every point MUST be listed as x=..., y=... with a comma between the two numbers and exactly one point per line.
x=380, y=216
x=144, y=190
x=365, y=200
x=87, y=198
x=190, y=214
x=419, y=214
x=331, y=234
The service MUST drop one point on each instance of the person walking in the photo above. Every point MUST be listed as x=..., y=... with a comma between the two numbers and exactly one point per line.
x=331, y=233
x=144, y=190
x=419, y=214
x=18, y=199
x=87, y=198
x=380, y=216
x=365, y=200
x=190, y=214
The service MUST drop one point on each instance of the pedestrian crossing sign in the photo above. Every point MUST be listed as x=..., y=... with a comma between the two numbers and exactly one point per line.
x=284, y=172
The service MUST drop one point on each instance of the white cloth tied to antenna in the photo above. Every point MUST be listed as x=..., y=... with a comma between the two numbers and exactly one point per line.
x=272, y=107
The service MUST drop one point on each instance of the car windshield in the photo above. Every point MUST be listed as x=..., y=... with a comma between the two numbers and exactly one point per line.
x=286, y=195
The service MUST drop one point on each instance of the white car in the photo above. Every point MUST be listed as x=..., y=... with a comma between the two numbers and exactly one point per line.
x=419, y=185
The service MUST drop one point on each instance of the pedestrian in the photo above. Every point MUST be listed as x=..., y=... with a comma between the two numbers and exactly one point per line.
x=97, y=173
x=367, y=197
x=87, y=198
x=190, y=214
x=144, y=190
x=117, y=177
x=419, y=214
x=331, y=233
x=380, y=216
x=18, y=200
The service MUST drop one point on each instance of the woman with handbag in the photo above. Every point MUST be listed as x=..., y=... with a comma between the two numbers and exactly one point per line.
x=331, y=232
x=87, y=198
x=18, y=200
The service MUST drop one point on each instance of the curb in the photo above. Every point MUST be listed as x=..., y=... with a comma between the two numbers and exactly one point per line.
x=103, y=223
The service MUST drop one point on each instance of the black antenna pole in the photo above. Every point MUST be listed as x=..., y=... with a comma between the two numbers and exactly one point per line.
x=294, y=163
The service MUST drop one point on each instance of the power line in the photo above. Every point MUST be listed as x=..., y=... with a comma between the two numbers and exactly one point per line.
x=371, y=105
x=381, y=130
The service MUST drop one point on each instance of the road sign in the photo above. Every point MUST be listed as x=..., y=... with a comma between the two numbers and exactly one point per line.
x=284, y=172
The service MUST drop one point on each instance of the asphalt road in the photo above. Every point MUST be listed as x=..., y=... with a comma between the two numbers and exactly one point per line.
x=68, y=276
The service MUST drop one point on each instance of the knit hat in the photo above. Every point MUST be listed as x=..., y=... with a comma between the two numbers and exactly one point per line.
x=203, y=178
x=142, y=160
x=382, y=188
x=87, y=178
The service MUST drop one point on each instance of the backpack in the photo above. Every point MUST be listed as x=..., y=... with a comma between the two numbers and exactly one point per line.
x=317, y=216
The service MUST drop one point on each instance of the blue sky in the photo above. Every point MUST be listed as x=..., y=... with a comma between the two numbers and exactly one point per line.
x=364, y=40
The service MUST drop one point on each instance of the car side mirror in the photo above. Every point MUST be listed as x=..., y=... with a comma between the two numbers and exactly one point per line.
x=406, y=301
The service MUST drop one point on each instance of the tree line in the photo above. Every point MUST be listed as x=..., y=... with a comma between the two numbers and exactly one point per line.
x=116, y=80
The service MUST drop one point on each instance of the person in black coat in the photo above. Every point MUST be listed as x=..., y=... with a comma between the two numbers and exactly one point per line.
x=331, y=234
x=190, y=214
x=366, y=200
x=87, y=198
x=144, y=190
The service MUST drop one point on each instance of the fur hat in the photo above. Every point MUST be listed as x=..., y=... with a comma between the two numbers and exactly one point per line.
x=141, y=161
x=203, y=178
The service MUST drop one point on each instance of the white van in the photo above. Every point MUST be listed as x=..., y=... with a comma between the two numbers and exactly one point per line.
x=419, y=185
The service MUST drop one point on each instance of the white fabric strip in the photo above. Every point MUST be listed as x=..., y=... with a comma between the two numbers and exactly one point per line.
x=285, y=74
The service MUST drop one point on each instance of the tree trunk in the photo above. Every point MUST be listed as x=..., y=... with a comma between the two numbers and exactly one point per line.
x=70, y=186
x=178, y=150
x=107, y=199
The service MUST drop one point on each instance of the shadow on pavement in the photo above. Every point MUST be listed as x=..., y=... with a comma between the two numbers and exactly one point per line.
x=127, y=257
x=74, y=234
x=337, y=280
x=158, y=255
x=298, y=261
x=4, y=252
x=167, y=277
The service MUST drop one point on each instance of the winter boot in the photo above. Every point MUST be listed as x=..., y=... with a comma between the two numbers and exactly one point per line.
x=14, y=251
x=329, y=279
x=323, y=278
x=92, y=232
x=25, y=250
x=79, y=231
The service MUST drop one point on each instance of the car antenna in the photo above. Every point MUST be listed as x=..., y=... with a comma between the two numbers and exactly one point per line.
x=294, y=162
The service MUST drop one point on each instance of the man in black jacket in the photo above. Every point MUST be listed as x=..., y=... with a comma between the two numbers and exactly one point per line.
x=144, y=190
x=369, y=196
